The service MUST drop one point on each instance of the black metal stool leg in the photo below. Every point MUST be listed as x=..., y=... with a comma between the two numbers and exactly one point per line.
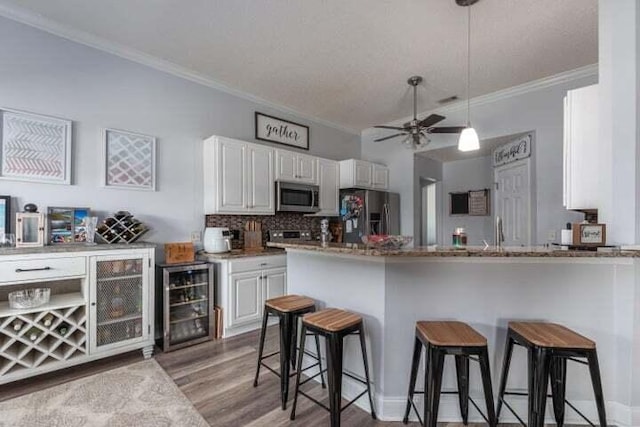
x=415, y=364
x=285, y=355
x=365, y=361
x=263, y=332
x=462, y=374
x=531, y=386
x=298, y=371
x=485, y=371
x=294, y=340
x=506, y=363
x=558, y=387
x=543, y=365
x=319, y=360
x=594, y=369
x=334, y=371
x=435, y=384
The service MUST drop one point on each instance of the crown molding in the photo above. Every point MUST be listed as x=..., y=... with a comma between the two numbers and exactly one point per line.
x=532, y=86
x=40, y=22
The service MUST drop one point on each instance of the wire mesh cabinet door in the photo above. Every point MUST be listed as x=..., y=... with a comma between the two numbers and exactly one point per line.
x=120, y=309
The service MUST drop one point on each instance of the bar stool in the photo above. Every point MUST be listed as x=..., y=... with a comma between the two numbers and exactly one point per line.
x=334, y=325
x=288, y=309
x=441, y=338
x=549, y=346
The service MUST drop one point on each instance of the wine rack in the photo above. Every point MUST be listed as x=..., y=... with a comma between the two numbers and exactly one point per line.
x=187, y=304
x=38, y=339
x=122, y=227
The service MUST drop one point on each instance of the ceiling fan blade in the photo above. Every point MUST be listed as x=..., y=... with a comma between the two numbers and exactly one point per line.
x=388, y=137
x=431, y=120
x=389, y=127
x=446, y=129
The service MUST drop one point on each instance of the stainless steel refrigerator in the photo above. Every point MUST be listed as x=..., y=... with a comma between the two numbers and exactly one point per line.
x=367, y=212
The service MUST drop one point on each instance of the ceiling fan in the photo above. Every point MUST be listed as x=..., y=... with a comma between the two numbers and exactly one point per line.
x=416, y=131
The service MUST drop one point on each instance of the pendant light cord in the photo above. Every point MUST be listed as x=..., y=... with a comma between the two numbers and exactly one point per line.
x=469, y=65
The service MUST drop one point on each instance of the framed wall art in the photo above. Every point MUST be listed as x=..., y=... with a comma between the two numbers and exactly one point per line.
x=273, y=129
x=130, y=160
x=66, y=225
x=5, y=215
x=35, y=148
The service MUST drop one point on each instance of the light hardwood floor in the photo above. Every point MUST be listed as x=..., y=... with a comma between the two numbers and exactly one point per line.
x=217, y=377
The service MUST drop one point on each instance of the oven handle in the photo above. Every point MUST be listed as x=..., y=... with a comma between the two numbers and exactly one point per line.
x=313, y=199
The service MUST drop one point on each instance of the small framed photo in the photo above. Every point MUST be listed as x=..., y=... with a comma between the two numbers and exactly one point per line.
x=273, y=129
x=66, y=225
x=129, y=160
x=589, y=234
x=5, y=215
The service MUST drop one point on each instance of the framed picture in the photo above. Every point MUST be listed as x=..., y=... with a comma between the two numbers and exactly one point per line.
x=130, y=160
x=589, y=234
x=66, y=225
x=5, y=214
x=35, y=148
x=273, y=129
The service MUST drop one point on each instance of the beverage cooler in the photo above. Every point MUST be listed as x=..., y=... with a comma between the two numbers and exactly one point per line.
x=186, y=316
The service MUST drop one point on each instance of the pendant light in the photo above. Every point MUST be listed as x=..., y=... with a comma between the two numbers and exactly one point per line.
x=469, y=137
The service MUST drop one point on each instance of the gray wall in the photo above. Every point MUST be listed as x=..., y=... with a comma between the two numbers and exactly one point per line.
x=539, y=111
x=465, y=175
x=45, y=74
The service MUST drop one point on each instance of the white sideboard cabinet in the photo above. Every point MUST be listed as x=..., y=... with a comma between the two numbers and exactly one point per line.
x=101, y=304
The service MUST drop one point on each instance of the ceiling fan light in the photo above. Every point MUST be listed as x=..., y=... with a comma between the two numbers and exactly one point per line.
x=468, y=140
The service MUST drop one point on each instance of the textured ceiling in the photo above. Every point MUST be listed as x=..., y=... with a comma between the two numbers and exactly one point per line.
x=345, y=61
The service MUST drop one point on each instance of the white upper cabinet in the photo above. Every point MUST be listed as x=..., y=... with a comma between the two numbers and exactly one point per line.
x=581, y=149
x=329, y=178
x=238, y=177
x=362, y=174
x=295, y=167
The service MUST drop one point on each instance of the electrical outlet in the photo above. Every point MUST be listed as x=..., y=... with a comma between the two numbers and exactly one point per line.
x=195, y=237
x=551, y=235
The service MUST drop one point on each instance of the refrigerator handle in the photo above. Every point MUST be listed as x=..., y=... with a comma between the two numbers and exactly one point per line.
x=385, y=209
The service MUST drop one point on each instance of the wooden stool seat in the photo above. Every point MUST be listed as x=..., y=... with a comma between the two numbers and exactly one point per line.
x=449, y=334
x=290, y=303
x=551, y=335
x=332, y=319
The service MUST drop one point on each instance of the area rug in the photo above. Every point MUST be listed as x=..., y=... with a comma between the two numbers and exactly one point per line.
x=140, y=394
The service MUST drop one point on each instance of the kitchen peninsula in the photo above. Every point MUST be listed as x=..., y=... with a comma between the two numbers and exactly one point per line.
x=594, y=293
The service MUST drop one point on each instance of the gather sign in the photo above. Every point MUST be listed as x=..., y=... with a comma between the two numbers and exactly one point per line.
x=513, y=151
x=273, y=129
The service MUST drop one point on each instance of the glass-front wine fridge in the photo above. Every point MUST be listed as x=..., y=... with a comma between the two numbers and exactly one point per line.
x=187, y=304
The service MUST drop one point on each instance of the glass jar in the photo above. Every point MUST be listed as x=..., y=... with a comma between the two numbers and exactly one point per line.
x=459, y=237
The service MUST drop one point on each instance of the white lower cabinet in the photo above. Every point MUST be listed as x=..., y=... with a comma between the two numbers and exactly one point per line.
x=101, y=304
x=242, y=287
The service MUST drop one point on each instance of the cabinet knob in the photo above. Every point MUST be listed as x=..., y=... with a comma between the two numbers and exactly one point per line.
x=93, y=304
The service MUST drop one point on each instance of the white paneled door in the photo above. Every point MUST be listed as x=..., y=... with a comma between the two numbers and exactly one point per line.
x=513, y=202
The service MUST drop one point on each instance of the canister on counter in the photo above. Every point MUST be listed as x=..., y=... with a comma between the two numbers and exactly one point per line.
x=459, y=237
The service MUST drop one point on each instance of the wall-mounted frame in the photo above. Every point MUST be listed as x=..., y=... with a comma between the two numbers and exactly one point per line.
x=66, y=225
x=35, y=148
x=473, y=203
x=5, y=215
x=129, y=160
x=280, y=131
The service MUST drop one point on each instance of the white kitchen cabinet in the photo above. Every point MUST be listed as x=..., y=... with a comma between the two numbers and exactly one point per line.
x=242, y=287
x=356, y=173
x=101, y=305
x=380, y=177
x=582, y=149
x=295, y=167
x=238, y=177
x=329, y=180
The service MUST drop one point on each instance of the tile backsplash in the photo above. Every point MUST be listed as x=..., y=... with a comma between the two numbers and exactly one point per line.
x=279, y=221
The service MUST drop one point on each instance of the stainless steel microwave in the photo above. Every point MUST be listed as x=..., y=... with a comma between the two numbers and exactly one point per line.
x=295, y=197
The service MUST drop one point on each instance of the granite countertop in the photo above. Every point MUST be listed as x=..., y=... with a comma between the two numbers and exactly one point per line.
x=238, y=253
x=437, y=251
x=75, y=247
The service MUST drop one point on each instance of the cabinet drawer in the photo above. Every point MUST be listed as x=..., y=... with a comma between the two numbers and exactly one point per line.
x=30, y=270
x=257, y=263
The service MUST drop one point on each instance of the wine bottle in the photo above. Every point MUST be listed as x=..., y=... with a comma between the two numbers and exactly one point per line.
x=48, y=320
x=63, y=329
x=34, y=333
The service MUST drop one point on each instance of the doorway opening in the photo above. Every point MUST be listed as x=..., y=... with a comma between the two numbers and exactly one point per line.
x=429, y=218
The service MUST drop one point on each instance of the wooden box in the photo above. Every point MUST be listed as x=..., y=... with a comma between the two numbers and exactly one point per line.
x=179, y=253
x=589, y=234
